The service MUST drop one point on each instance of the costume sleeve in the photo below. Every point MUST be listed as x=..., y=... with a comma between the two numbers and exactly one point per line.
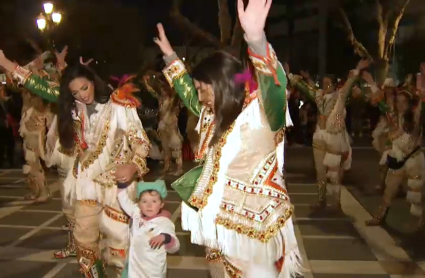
x=298, y=83
x=36, y=84
x=129, y=121
x=167, y=227
x=348, y=85
x=271, y=79
x=180, y=80
x=127, y=205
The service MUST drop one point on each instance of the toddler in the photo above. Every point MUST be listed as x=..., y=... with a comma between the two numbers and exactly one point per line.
x=152, y=233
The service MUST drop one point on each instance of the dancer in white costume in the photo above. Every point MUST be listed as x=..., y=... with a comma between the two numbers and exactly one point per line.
x=104, y=129
x=240, y=208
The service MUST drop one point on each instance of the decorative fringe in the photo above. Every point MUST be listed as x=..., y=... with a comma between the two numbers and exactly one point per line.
x=288, y=118
x=332, y=160
x=253, y=251
x=26, y=169
x=252, y=115
x=30, y=156
x=191, y=221
x=384, y=156
x=155, y=153
x=280, y=156
x=416, y=210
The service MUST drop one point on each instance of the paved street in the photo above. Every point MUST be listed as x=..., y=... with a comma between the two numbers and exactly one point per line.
x=333, y=245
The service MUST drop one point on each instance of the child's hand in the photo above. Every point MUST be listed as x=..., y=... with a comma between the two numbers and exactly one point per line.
x=157, y=241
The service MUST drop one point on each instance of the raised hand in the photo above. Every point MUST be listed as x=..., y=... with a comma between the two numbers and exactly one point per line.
x=305, y=74
x=162, y=41
x=38, y=63
x=368, y=77
x=60, y=57
x=6, y=63
x=253, y=17
x=86, y=63
x=286, y=68
x=363, y=63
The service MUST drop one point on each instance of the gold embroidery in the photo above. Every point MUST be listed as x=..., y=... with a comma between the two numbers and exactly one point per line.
x=261, y=65
x=215, y=255
x=21, y=74
x=174, y=71
x=279, y=135
x=201, y=201
x=263, y=236
x=116, y=215
x=89, y=202
x=93, y=156
x=140, y=162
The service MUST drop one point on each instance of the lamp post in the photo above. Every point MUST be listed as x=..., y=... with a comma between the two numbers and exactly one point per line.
x=48, y=20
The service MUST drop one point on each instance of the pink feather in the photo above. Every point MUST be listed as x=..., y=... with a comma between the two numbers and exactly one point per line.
x=246, y=77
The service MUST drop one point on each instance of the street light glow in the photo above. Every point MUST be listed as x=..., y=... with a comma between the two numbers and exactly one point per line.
x=41, y=22
x=56, y=18
x=48, y=7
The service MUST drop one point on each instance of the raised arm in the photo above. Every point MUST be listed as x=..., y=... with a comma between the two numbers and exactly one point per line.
x=34, y=83
x=305, y=88
x=127, y=205
x=271, y=79
x=37, y=84
x=352, y=77
x=176, y=74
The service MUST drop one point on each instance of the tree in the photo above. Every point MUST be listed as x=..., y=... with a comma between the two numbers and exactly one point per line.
x=229, y=35
x=387, y=15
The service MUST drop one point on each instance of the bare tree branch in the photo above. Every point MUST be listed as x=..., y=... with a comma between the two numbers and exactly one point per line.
x=382, y=29
x=379, y=12
x=359, y=49
x=224, y=21
x=394, y=27
x=188, y=26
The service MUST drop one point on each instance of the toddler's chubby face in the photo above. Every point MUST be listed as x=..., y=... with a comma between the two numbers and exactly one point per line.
x=150, y=203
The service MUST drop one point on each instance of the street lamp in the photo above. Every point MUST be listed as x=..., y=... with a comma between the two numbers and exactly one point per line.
x=49, y=19
x=48, y=7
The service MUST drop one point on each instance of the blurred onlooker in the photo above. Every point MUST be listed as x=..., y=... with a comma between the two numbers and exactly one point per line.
x=7, y=124
x=295, y=136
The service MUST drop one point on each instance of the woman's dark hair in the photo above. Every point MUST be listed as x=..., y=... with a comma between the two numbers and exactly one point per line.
x=66, y=102
x=409, y=121
x=219, y=70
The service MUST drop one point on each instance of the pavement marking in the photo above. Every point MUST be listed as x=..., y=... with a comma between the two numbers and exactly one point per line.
x=176, y=214
x=31, y=227
x=41, y=210
x=322, y=219
x=22, y=198
x=347, y=267
x=379, y=241
x=330, y=237
x=305, y=261
x=52, y=273
x=301, y=184
x=34, y=231
x=4, y=172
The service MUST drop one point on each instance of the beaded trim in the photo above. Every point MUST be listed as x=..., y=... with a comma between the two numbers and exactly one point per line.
x=174, y=71
x=281, y=194
x=258, y=217
x=21, y=74
x=202, y=200
x=116, y=215
x=263, y=236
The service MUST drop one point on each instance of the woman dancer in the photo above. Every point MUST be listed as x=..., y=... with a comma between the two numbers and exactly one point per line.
x=405, y=159
x=105, y=131
x=331, y=143
x=240, y=208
